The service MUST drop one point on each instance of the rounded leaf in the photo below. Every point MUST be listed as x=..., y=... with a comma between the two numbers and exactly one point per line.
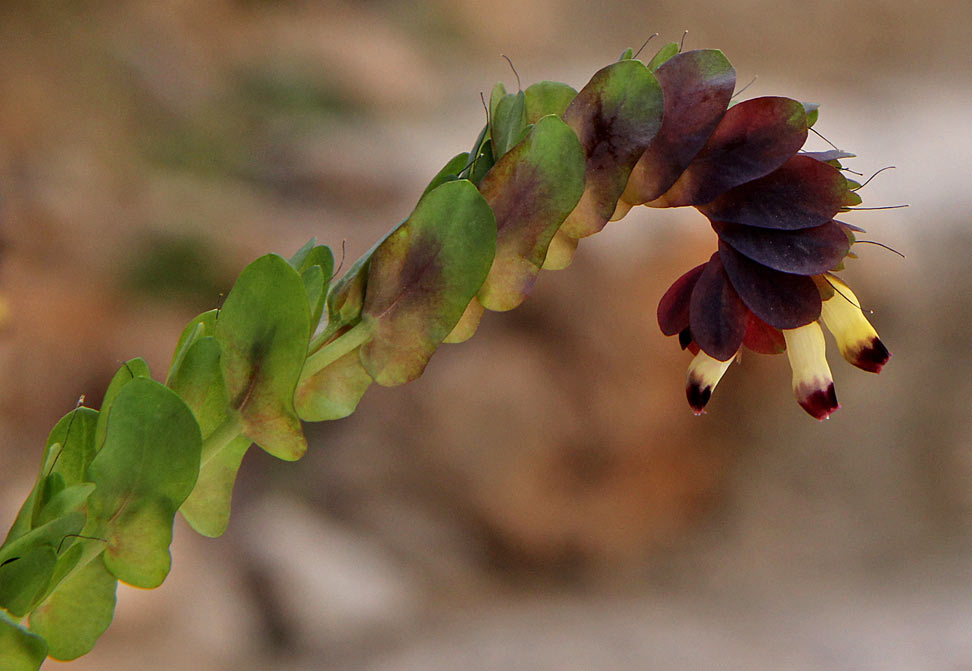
x=422, y=277
x=697, y=86
x=673, y=308
x=531, y=190
x=716, y=313
x=803, y=193
x=782, y=300
x=753, y=139
x=808, y=251
x=263, y=330
x=616, y=116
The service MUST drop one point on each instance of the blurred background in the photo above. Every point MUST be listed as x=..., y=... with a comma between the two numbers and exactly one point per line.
x=542, y=498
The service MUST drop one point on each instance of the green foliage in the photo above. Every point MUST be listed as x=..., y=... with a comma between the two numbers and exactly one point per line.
x=20, y=649
x=263, y=331
x=615, y=116
x=291, y=343
x=199, y=381
x=531, y=190
x=422, y=277
x=508, y=121
x=73, y=617
x=450, y=171
x=664, y=54
x=145, y=469
x=131, y=369
x=545, y=98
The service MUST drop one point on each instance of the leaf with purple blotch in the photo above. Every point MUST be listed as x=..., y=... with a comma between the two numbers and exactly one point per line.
x=782, y=300
x=753, y=139
x=716, y=312
x=422, y=277
x=346, y=295
x=264, y=330
x=697, y=86
x=531, y=190
x=616, y=116
x=803, y=193
x=807, y=251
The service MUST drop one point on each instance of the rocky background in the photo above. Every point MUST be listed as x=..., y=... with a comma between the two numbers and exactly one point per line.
x=543, y=497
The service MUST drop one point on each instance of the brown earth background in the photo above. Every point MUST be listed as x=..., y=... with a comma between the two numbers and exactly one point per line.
x=542, y=498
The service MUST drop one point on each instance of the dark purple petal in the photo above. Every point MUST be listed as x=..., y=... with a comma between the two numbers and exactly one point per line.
x=716, y=313
x=802, y=194
x=673, y=308
x=753, y=139
x=808, y=251
x=697, y=86
x=783, y=300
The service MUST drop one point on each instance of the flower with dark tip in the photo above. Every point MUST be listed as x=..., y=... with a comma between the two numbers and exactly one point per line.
x=772, y=207
x=857, y=340
x=813, y=384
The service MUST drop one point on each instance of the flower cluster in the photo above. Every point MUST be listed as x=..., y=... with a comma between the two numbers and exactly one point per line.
x=772, y=207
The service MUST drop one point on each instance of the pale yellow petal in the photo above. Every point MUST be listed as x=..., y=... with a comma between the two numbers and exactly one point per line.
x=704, y=374
x=813, y=384
x=856, y=338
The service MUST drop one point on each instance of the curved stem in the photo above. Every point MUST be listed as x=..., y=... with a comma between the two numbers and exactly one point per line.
x=333, y=351
x=222, y=435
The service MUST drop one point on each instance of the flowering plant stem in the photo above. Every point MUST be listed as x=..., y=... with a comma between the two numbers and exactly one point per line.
x=552, y=166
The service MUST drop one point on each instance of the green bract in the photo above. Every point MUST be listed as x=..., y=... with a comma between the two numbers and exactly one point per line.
x=81, y=609
x=145, y=469
x=263, y=330
x=531, y=190
x=615, y=117
x=20, y=649
x=422, y=277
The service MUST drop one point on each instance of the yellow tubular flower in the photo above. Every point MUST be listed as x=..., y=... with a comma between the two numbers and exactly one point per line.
x=858, y=341
x=704, y=374
x=813, y=383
